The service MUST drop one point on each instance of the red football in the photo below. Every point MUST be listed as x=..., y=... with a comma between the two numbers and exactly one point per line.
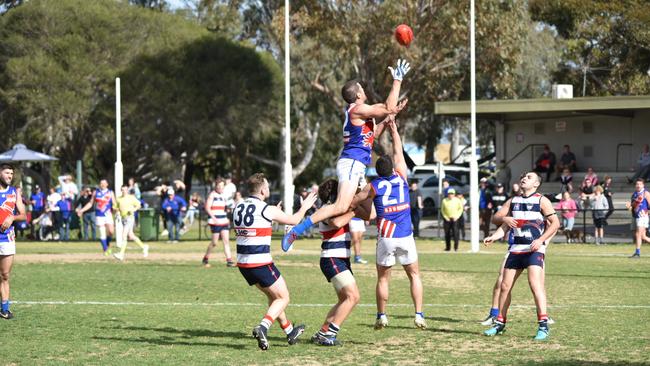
x=404, y=34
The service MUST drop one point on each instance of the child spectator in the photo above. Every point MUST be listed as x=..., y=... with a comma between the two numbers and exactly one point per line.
x=568, y=208
x=600, y=207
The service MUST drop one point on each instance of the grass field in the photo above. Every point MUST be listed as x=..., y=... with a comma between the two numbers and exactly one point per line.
x=170, y=310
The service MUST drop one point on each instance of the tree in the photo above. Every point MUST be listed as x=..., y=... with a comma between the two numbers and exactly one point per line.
x=607, y=45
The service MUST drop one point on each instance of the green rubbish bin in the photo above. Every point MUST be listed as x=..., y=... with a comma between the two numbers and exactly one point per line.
x=148, y=221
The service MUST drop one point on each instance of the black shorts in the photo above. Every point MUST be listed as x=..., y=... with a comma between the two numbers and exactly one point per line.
x=265, y=275
x=600, y=222
x=217, y=229
x=333, y=266
x=524, y=260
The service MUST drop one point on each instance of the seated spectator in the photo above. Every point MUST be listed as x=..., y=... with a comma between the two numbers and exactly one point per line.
x=600, y=207
x=567, y=161
x=643, y=165
x=568, y=208
x=566, y=179
x=586, y=194
x=545, y=163
x=590, y=176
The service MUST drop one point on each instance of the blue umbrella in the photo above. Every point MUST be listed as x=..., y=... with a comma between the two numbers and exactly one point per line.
x=20, y=152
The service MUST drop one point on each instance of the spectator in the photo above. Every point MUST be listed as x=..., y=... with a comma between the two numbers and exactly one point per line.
x=485, y=207
x=65, y=209
x=569, y=209
x=193, y=209
x=162, y=195
x=445, y=187
x=545, y=163
x=586, y=193
x=516, y=190
x=567, y=161
x=566, y=179
x=461, y=220
x=499, y=198
x=451, y=210
x=68, y=187
x=134, y=189
x=590, y=176
x=37, y=201
x=607, y=192
x=600, y=207
x=174, y=207
x=88, y=217
x=643, y=165
x=52, y=205
x=238, y=198
x=415, y=198
x=504, y=175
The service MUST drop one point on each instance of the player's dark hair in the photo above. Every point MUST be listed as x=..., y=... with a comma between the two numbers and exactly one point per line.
x=384, y=166
x=219, y=180
x=255, y=182
x=637, y=180
x=328, y=191
x=350, y=90
x=125, y=186
x=4, y=166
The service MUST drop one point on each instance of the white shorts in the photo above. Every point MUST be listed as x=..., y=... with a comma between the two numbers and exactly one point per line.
x=388, y=249
x=127, y=224
x=357, y=226
x=350, y=170
x=103, y=220
x=8, y=248
x=642, y=221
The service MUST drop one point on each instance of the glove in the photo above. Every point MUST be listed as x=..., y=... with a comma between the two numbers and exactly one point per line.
x=400, y=70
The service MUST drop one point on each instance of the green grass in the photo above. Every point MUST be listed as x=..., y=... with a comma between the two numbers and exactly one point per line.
x=587, y=286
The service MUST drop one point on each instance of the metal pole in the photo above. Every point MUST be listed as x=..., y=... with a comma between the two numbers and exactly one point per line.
x=119, y=175
x=288, y=170
x=473, y=163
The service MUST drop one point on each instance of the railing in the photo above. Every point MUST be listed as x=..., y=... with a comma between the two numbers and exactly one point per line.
x=532, y=153
x=618, y=150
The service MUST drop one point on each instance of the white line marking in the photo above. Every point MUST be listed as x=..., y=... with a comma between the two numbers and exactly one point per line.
x=224, y=304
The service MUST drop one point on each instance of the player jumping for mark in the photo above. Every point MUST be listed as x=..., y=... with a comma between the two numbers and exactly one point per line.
x=359, y=132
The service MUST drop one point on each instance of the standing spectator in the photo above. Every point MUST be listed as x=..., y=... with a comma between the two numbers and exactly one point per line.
x=37, y=201
x=461, y=219
x=65, y=209
x=643, y=165
x=567, y=161
x=545, y=163
x=600, y=207
x=590, y=176
x=162, y=195
x=499, y=198
x=485, y=207
x=566, y=179
x=451, y=210
x=569, y=209
x=504, y=174
x=607, y=192
x=415, y=197
x=238, y=198
x=193, y=209
x=68, y=187
x=52, y=205
x=638, y=204
x=445, y=187
x=134, y=189
x=174, y=206
x=88, y=217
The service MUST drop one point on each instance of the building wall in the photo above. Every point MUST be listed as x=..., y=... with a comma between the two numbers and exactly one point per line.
x=593, y=139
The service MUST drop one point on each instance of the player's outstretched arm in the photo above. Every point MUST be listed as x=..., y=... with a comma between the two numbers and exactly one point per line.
x=398, y=73
x=342, y=220
x=87, y=206
x=366, y=210
x=366, y=193
x=276, y=214
x=399, y=162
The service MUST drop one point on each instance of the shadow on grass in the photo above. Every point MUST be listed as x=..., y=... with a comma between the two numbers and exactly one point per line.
x=432, y=318
x=547, y=274
x=182, y=336
x=587, y=363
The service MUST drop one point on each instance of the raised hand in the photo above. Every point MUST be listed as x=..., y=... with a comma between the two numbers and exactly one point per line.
x=400, y=70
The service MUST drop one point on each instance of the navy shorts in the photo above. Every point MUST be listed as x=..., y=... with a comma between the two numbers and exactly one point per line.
x=333, y=266
x=265, y=275
x=217, y=229
x=599, y=223
x=524, y=260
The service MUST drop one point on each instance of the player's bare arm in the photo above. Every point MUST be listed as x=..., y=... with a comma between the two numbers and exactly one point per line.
x=366, y=210
x=342, y=220
x=88, y=205
x=553, y=223
x=398, y=150
x=11, y=218
x=501, y=216
x=364, y=194
x=498, y=234
x=279, y=216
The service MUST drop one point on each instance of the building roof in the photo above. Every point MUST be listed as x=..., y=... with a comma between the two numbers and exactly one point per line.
x=524, y=109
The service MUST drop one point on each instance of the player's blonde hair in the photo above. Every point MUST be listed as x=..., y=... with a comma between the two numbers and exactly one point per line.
x=255, y=182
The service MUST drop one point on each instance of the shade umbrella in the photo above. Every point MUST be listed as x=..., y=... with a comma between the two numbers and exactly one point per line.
x=20, y=152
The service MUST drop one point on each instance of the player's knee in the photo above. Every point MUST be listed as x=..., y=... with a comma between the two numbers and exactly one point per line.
x=4, y=276
x=505, y=286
